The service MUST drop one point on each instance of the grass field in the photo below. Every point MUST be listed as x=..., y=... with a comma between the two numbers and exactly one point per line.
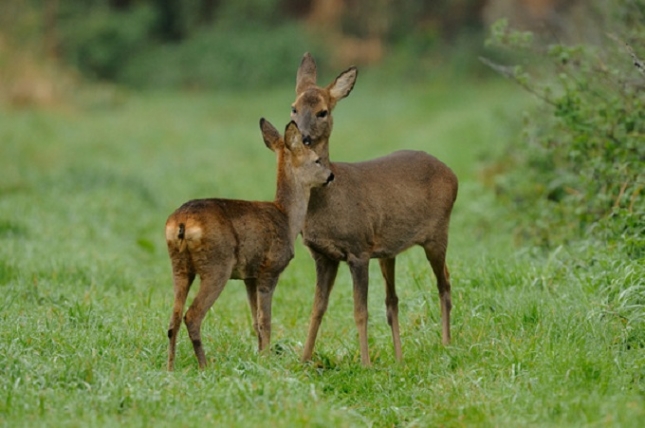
x=539, y=339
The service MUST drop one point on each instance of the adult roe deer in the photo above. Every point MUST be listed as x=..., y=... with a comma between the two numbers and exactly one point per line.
x=376, y=209
x=222, y=239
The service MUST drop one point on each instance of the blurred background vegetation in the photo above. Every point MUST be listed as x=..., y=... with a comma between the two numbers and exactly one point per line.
x=241, y=44
x=577, y=167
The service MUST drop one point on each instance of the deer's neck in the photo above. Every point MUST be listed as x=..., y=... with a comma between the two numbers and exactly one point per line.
x=292, y=198
x=324, y=152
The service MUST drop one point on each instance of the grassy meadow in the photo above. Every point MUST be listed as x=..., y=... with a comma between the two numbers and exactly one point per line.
x=539, y=339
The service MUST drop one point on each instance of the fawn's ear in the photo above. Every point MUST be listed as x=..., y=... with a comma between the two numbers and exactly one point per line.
x=271, y=136
x=293, y=137
x=306, y=76
x=343, y=85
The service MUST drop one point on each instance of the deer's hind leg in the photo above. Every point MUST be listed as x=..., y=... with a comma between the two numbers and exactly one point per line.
x=182, y=277
x=436, y=255
x=212, y=282
x=392, y=304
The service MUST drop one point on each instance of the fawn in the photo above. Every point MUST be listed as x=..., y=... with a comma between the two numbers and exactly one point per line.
x=376, y=209
x=222, y=239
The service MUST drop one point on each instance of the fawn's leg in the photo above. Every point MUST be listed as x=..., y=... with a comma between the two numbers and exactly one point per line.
x=182, y=280
x=436, y=255
x=252, y=294
x=326, y=270
x=266, y=286
x=211, y=285
x=359, y=269
x=392, y=304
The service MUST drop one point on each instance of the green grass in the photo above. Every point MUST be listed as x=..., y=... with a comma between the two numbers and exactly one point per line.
x=85, y=292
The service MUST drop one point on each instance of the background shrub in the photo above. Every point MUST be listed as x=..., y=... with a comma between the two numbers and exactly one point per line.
x=219, y=58
x=100, y=43
x=174, y=45
x=581, y=159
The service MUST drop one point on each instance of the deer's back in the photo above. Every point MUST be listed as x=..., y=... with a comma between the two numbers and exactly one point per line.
x=382, y=206
x=250, y=235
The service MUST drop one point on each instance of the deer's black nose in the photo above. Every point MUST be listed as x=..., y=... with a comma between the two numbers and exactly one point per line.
x=330, y=178
x=306, y=140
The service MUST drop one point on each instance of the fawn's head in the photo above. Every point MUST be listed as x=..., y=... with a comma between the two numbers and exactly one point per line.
x=311, y=110
x=294, y=157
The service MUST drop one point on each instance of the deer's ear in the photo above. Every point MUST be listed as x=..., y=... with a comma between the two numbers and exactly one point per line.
x=306, y=76
x=271, y=136
x=343, y=85
x=292, y=136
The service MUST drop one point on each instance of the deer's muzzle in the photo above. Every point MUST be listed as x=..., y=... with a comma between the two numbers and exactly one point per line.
x=329, y=179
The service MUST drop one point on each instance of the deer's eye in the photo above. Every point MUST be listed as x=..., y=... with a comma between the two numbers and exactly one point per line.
x=318, y=161
x=321, y=114
x=293, y=110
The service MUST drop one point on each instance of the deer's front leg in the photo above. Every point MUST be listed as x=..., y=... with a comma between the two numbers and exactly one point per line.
x=326, y=270
x=392, y=304
x=265, y=287
x=252, y=294
x=359, y=268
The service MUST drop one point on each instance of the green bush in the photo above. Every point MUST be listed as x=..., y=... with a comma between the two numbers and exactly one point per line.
x=221, y=58
x=245, y=44
x=580, y=164
x=102, y=40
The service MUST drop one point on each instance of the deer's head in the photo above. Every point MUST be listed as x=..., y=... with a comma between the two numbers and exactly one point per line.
x=294, y=157
x=311, y=110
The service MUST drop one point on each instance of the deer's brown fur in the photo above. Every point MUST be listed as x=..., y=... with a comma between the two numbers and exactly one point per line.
x=376, y=209
x=222, y=239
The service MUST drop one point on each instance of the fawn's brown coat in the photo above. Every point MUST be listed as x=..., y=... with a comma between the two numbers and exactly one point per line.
x=222, y=239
